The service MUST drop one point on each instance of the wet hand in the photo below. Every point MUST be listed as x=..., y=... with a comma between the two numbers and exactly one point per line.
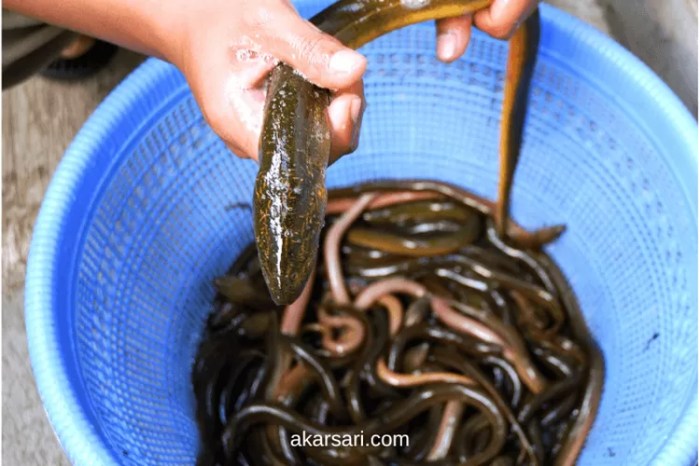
x=226, y=62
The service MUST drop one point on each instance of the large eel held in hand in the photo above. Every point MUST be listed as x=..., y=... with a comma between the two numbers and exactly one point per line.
x=290, y=189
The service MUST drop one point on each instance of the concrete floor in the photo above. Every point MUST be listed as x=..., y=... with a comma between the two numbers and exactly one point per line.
x=39, y=120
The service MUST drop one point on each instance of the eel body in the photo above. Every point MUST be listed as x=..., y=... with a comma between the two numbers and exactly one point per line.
x=290, y=190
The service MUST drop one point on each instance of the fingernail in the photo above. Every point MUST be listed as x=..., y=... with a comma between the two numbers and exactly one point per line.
x=355, y=116
x=345, y=62
x=517, y=25
x=447, y=44
x=355, y=108
x=498, y=10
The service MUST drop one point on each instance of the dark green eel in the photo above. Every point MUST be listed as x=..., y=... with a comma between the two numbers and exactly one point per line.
x=290, y=189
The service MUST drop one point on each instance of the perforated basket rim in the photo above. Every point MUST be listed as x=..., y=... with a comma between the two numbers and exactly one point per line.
x=79, y=438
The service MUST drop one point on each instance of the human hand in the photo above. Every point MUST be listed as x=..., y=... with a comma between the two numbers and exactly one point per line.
x=500, y=20
x=226, y=63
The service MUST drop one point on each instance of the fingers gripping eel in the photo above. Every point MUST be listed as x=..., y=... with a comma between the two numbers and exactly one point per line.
x=519, y=70
x=290, y=194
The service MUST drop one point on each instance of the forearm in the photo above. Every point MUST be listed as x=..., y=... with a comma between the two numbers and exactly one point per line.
x=140, y=25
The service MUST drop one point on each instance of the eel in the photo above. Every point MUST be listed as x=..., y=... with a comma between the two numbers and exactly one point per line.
x=490, y=318
x=290, y=191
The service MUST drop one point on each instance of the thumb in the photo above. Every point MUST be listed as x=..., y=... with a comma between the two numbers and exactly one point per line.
x=320, y=58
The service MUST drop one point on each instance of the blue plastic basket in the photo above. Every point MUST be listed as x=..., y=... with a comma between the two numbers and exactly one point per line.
x=141, y=216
